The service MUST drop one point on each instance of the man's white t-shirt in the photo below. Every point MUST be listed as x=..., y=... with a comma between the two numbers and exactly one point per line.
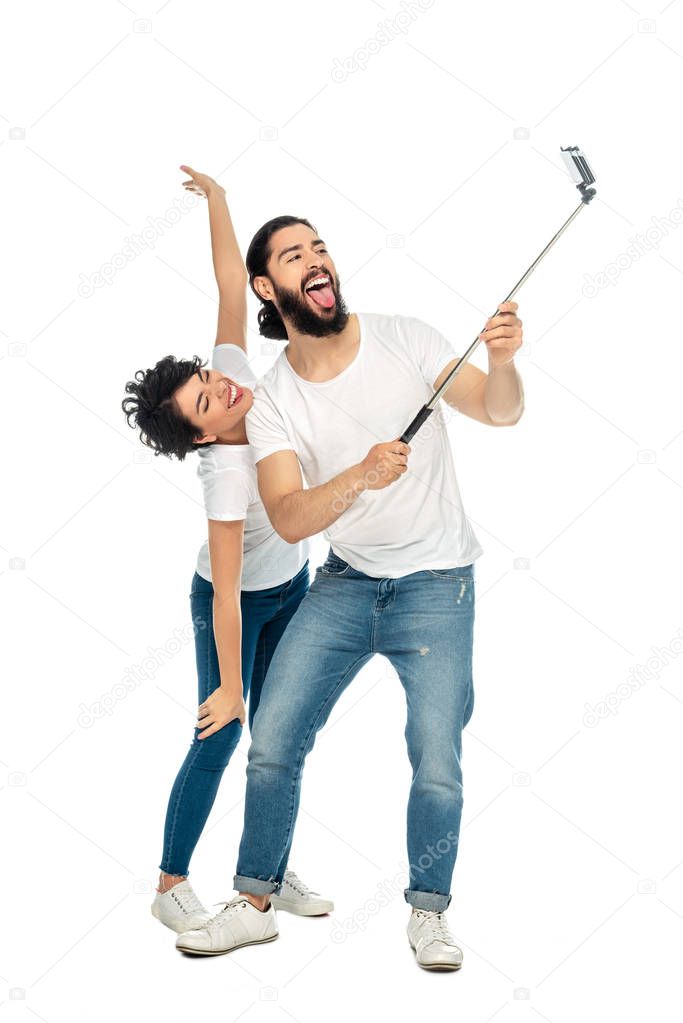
x=415, y=523
x=228, y=477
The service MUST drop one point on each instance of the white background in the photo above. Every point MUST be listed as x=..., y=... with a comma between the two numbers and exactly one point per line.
x=433, y=171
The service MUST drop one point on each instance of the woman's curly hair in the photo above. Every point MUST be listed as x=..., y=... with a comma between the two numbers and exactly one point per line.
x=152, y=408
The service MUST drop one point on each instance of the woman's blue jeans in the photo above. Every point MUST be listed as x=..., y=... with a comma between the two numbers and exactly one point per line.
x=265, y=616
x=423, y=624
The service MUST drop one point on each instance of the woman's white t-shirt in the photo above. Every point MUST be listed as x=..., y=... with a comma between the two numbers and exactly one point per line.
x=415, y=523
x=228, y=477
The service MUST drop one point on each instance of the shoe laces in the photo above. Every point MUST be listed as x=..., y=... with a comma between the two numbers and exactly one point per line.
x=230, y=906
x=295, y=882
x=187, y=900
x=438, y=926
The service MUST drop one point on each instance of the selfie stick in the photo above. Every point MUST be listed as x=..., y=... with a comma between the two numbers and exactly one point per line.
x=583, y=177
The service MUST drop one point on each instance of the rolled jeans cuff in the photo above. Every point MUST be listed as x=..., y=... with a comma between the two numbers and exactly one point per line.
x=430, y=901
x=254, y=885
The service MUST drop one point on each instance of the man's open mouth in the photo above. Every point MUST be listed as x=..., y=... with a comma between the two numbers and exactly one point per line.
x=319, y=290
x=233, y=395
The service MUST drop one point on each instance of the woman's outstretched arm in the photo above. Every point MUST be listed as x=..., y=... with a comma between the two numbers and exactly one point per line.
x=228, y=265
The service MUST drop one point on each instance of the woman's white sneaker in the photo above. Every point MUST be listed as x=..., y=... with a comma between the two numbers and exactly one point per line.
x=434, y=946
x=179, y=908
x=295, y=897
x=238, y=923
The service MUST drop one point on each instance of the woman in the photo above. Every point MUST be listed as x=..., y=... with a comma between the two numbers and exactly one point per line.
x=248, y=581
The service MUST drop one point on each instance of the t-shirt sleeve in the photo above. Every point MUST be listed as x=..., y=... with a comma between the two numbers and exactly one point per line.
x=266, y=429
x=233, y=361
x=227, y=494
x=428, y=348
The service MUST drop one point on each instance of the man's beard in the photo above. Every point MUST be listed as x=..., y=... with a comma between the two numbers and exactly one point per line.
x=304, y=320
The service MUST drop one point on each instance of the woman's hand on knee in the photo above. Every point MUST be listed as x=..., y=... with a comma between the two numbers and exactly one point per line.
x=219, y=709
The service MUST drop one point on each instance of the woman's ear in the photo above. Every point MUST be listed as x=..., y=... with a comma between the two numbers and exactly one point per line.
x=206, y=438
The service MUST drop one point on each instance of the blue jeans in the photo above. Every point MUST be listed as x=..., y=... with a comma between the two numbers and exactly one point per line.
x=265, y=616
x=423, y=623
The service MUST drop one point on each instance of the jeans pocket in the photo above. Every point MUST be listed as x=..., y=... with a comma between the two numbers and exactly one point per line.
x=334, y=566
x=200, y=587
x=465, y=572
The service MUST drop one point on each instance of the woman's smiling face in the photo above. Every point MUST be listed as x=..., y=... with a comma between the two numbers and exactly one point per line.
x=213, y=403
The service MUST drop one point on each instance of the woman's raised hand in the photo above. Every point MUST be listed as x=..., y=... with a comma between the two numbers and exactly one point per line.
x=200, y=184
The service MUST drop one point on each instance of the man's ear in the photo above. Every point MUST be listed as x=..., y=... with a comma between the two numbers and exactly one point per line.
x=264, y=289
x=206, y=438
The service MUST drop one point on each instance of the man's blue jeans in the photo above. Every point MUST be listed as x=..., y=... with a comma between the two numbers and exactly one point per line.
x=423, y=623
x=265, y=616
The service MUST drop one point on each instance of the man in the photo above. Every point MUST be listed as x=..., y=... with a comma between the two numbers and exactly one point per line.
x=399, y=576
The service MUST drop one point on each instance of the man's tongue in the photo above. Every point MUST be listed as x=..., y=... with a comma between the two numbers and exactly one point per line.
x=323, y=296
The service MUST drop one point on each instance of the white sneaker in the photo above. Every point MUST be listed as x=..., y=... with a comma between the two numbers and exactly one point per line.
x=433, y=943
x=238, y=923
x=295, y=897
x=179, y=908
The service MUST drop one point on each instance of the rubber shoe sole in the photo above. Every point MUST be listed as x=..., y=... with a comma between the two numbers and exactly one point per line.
x=438, y=967
x=224, y=951
x=297, y=909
